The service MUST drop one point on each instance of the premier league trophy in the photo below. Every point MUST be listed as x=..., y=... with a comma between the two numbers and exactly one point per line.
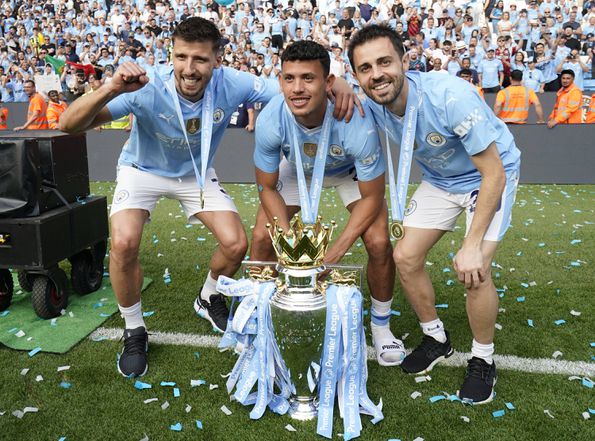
x=298, y=308
x=302, y=339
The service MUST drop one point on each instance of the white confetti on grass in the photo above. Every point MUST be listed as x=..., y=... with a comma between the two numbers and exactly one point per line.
x=415, y=395
x=24, y=371
x=557, y=354
x=549, y=413
x=423, y=379
x=165, y=405
x=465, y=418
x=188, y=408
x=225, y=410
x=213, y=386
x=63, y=368
x=150, y=400
x=39, y=378
x=290, y=428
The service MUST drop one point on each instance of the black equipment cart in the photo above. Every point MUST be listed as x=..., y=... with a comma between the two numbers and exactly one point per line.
x=46, y=216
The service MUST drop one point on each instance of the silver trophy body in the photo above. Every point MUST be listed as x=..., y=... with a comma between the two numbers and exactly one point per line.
x=298, y=312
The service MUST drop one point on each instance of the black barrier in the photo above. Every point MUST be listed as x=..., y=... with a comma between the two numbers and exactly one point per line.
x=563, y=155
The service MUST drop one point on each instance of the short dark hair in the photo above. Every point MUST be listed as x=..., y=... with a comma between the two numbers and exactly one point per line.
x=373, y=32
x=306, y=50
x=466, y=72
x=516, y=75
x=198, y=29
x=33, y=82
x=567, y=72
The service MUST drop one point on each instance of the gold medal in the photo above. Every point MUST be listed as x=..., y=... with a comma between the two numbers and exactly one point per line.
x=397, y=231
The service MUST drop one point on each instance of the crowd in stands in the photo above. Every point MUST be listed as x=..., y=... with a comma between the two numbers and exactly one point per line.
x=81, y=43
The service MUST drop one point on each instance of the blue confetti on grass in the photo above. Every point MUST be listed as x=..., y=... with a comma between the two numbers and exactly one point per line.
x=450, y=282
x=199, y=424
x=591, y=411
x=140, y=385
x=436, y=398
x=510, y=406
x=592, y=344
x=104, y=314
x=520, y=299
x=575, y=263
x=530, y=323
x=525, y=285
x=575, y=241
x=176, y=427
x=559, y=322
x=148, y=313
x=167, y=383
x=587, y=383
x=498, y=413
x=446, y=270
x=442, y=306
x=176, y=392
x=65, y=385
x=397, y=313
x=4, y=313
x=33, y=352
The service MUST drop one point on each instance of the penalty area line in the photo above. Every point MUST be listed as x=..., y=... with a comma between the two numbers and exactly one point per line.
x=459, y=359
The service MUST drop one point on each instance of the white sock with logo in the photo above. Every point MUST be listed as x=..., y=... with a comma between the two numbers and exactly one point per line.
x=209, y=288
x=482, y=351
x=434, y=329
x=133, y=316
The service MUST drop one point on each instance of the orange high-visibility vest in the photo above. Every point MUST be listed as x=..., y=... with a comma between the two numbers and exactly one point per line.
x=37, y=104
x=3, y=118
x=568, y=106
x=515, y=102
x=55, y=110
x=591, y=111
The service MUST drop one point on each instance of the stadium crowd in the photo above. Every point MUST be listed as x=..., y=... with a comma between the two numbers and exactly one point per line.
x=80, y=43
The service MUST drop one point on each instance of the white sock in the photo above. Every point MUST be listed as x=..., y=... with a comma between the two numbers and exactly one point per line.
x=484, y=352
x=434, y=329
x=380, y=313
x=209, y=288
x=133, y=316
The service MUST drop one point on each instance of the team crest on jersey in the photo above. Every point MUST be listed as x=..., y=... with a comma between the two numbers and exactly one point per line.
x=218, y=116
x=411, y=207
x=336, y=150
x=192, y=125
x=310, y=149
x=435, y=139
x=121, y=196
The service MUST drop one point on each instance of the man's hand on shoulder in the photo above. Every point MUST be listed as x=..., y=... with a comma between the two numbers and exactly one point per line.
x=129, y=77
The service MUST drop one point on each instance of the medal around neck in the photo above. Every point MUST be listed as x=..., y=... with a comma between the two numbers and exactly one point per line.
x=304, y=342
x=397, y=231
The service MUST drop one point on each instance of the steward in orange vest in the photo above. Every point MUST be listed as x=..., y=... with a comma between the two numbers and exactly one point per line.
x=568, y=105
x=36, y=114
x=55, y=109
x=3, y=117
x=591, y=111
x=512, y=103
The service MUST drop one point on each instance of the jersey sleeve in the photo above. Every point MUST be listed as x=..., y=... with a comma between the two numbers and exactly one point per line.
x=253, y=89
x=120, y=106
x=267, y=151
x=470, y=118
x=365, y=147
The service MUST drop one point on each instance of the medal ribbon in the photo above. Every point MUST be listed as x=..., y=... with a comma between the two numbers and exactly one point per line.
x=309, y=200
x=206, y=129
x=398, y=191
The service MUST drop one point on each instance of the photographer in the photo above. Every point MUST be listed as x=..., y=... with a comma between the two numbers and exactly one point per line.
x=574, y=63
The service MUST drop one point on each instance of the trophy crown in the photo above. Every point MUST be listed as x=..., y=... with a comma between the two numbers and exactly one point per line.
x=303, y=246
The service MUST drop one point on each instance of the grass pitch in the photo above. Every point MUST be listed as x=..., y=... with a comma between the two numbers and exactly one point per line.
x=544, y=273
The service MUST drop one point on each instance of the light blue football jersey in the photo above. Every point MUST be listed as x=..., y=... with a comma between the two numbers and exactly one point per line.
x=354, y=144
x=157, y=144
x=453, y=123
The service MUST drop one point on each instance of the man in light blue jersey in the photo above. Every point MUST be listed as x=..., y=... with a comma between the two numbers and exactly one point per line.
x=180, y=117
x=470, y=163
x=491, y=73
x=533, y=78
x=298, y=123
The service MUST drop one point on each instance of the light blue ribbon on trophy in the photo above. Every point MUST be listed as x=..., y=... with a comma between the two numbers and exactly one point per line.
x=309, y=200
x=330, y=364
x=260, y=363
x=344, y=364
x=206, y=131
x=398, y=191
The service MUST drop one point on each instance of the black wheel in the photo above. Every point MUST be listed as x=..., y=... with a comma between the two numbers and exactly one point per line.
x=24, y=281
x=49, y=295
x=87, y=272
x=6, y=289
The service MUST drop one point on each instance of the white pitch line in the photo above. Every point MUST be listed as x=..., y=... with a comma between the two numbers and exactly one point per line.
x=459, y=359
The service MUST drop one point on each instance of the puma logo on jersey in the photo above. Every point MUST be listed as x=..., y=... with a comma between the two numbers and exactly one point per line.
x=473, y=118
x=167, y=118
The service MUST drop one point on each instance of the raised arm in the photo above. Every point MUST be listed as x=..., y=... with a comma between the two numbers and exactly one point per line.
x=90, y=111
